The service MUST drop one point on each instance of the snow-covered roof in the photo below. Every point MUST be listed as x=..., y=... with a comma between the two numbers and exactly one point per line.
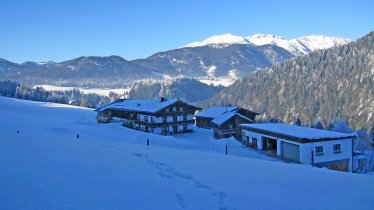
x=215, y=111
x=227, y=116
x=141, y=105
x=298, y=132
x=223, y=118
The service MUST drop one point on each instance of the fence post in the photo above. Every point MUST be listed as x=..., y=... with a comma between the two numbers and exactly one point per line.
x=147, y=142
x=77, y=136
x=226, y=149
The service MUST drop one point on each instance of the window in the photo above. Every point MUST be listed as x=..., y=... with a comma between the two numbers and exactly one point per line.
x=337, y=148
x=174, y=109
x=254, y=141
x=246, y=142
x=171, y=109
x=146, y=118
x=319, y=150
x=181, y=109
x=231, y=126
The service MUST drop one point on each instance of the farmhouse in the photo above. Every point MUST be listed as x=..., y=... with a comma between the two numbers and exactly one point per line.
x=160, y=116
x=317, y=147
x=224, y=120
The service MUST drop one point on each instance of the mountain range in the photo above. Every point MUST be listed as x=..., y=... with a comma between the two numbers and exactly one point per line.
x=297, y=46
x=223, y=56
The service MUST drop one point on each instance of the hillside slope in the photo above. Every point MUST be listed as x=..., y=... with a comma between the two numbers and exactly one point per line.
x=109, y=167
x=331, y=84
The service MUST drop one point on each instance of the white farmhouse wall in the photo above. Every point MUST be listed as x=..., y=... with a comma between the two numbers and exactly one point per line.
x=157, y=119
x=157, y=130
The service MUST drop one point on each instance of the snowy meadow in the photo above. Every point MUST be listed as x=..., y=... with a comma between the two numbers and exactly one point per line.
x=44, y=165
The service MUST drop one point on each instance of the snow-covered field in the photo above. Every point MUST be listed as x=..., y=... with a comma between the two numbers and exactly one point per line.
x=223, y=81
x=99, y=91
x=45, y=166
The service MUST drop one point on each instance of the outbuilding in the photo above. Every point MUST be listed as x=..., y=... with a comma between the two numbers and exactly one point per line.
x=225, y=120
x=320, y=148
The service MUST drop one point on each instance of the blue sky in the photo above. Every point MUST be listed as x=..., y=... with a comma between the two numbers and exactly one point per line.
x=52, y=30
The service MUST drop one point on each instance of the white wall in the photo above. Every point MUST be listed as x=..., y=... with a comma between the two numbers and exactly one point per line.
x=150, y=117
x=328, y=151
x=157, y=119
x=157, y=130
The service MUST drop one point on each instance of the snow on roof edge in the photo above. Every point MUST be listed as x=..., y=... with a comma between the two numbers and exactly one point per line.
x=298, y=132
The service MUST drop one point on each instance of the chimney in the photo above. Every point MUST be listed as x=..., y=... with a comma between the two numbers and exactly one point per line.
x=162, y=99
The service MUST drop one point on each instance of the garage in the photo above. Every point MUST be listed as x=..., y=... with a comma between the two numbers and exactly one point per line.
x=291, y=151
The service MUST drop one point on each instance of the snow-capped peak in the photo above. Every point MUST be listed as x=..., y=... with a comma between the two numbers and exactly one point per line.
x=263, y=39
x=318, y=42
x=225, y=39
x=298, y=46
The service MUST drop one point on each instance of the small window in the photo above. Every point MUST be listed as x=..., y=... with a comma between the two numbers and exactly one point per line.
x=181, y=109
x=319, y=150
x=171, y=109
x=254, y=141
x=174, y=109
x=231, y=126
x=337, y=148
x=146, y=118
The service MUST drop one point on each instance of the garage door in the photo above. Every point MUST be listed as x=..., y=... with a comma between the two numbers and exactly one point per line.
x=291, y=151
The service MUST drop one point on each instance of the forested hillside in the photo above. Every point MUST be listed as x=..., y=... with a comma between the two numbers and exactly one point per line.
x=183, y=88
x=336, y=83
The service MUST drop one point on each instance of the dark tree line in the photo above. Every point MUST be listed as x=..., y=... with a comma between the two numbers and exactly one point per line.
x=72, y=97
